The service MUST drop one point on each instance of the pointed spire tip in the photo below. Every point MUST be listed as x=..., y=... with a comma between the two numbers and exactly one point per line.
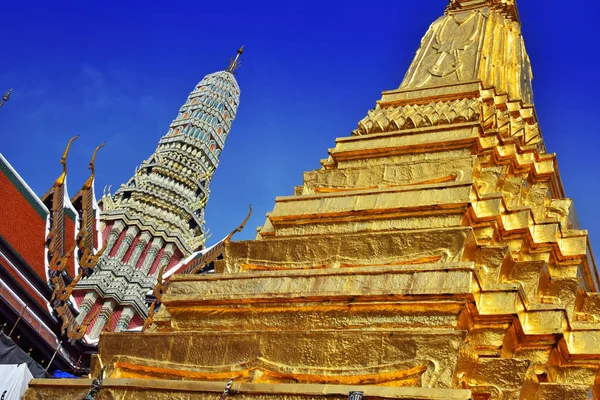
x=235, y=63
x=6, y=96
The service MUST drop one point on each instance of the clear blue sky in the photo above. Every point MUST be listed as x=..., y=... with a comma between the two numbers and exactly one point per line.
x=119, y=71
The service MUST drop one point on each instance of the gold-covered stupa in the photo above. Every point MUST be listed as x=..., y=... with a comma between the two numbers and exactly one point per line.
x=433, y=256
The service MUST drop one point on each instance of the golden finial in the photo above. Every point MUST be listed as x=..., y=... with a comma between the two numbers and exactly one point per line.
x=235, y=63
x=90, y=181
x=94, y=157
x=63, y=161
x=242, y=225
x=6, y=97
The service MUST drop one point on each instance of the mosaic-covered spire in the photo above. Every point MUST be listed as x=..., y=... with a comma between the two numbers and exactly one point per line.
x=157, y=217
x=170, y=189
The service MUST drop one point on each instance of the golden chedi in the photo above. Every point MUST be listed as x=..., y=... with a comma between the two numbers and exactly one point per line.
x=433, y=256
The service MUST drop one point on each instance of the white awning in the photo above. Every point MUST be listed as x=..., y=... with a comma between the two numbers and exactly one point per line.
x=14, y=380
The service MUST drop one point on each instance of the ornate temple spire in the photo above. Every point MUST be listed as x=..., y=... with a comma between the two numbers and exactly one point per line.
x=235, y=63
x=157, y=217
x=174, y=181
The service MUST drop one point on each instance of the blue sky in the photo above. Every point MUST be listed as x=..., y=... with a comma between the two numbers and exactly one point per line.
x=119, y=71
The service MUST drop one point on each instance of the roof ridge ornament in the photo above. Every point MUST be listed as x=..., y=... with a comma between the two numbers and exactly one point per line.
x=93, y=160
x=235, y=63
x=63, y=161
x=6, y=96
